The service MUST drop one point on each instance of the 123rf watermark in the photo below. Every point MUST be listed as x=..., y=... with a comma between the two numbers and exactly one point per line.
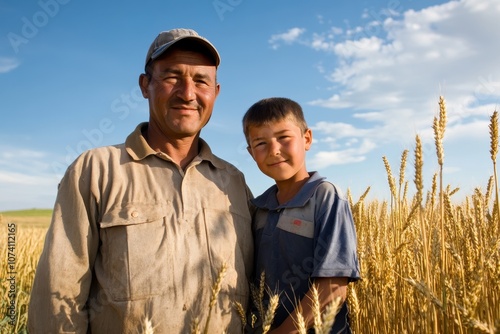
x=11, y=314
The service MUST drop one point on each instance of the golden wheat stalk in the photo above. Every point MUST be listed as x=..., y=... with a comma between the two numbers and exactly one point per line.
x=439, y=129
x=148, y=327
x=493, y=126
x=328, y=318
x=489, y=189
x=390, y=178
x=353, y=303
x=258, y=295
x=300, y=324
x=442, y=115
x=215, y=293
x=402, y=169
x=241, y=313
x=493, y=151
x=195, y=326
x=316, y=307
x=419, y=163
x=269, y=315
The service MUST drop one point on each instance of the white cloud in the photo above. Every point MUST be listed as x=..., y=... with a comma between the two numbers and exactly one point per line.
x=8, y=64
x=339, y=130
x=288, y=37
x=26, y=179
x=22, y=166
x=319, y=43
x=391, y=71
x=13, y=178
x=352, y=154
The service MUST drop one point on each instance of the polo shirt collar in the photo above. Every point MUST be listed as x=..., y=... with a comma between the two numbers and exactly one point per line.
x=138, y=148
x=269, y=201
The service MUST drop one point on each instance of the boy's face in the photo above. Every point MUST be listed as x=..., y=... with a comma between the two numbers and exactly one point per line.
x=279, y=149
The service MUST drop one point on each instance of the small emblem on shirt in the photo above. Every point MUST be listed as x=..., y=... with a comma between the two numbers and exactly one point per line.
x=296, y=226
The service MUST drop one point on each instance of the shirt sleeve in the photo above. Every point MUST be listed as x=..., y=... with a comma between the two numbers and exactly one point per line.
x=335, y=246
x=63, y=276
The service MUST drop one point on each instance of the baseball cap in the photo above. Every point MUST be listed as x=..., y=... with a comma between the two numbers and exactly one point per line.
x=166, y=39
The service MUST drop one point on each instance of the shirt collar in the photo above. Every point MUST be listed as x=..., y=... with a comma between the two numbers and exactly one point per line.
x=269, y=201
x=138, y=148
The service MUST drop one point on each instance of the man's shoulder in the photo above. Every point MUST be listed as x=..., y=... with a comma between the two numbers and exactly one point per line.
x=103, y=151
x=100, y=154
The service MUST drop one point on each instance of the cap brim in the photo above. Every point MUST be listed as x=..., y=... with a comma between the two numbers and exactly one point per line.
x=213, y=51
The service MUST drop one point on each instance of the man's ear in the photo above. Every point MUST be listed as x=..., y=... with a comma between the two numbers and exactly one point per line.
x=217, y=89
x=143, y=85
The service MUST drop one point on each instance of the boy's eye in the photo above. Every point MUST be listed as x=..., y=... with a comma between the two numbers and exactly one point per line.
x=284, y=137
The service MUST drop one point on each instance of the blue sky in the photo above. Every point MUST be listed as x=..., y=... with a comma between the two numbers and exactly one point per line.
x=367, y=73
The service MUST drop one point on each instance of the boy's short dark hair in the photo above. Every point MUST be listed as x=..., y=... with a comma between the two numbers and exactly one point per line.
x=273, y=109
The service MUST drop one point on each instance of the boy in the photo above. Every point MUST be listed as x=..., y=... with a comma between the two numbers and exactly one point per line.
x=303, y=227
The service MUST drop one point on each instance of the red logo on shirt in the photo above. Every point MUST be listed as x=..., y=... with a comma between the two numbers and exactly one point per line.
x=297, y=222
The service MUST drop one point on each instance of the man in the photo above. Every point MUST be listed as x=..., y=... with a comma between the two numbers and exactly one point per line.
x=141, y=231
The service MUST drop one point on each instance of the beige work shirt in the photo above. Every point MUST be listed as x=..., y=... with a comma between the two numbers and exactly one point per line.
x=133, y=238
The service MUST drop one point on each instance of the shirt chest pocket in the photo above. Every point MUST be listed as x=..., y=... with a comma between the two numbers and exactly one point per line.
x=296, y=226
x=132, y=239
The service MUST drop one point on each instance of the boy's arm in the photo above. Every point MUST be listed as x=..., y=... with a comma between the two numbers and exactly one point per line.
x=329, y=288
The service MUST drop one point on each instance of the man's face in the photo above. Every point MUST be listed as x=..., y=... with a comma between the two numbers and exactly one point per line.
x=181, y=93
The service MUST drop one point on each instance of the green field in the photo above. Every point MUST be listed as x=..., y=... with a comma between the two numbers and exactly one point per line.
x=28, y=213
x=29, y=217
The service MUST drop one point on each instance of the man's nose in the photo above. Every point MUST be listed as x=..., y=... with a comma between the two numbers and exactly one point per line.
x=186, y=90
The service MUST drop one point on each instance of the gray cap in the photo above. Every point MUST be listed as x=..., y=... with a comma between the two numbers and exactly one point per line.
x=168, y=38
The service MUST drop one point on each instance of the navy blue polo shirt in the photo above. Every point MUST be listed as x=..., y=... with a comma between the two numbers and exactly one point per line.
x=312, y=235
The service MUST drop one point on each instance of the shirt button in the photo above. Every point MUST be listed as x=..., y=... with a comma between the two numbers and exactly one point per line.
x=134, y=214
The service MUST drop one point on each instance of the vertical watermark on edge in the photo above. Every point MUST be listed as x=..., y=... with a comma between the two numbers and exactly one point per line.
x=11, y=312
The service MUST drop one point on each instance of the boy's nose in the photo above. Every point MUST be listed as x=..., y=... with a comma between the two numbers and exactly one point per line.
x=275, y=149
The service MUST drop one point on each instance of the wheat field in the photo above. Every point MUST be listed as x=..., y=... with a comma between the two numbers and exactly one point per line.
x=429, y=265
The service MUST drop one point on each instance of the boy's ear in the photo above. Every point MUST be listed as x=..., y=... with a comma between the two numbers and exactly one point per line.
x=308, y=137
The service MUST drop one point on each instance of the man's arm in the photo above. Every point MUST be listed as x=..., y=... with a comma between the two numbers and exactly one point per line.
x=328, y=288
x=63, y=276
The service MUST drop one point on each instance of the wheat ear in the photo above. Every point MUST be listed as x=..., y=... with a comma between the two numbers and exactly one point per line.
x=215, y=292
x=390, y=178
x=419, y=162
x=241, y=313
x=269, y=316
x=493, y=151
x=316, y=308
